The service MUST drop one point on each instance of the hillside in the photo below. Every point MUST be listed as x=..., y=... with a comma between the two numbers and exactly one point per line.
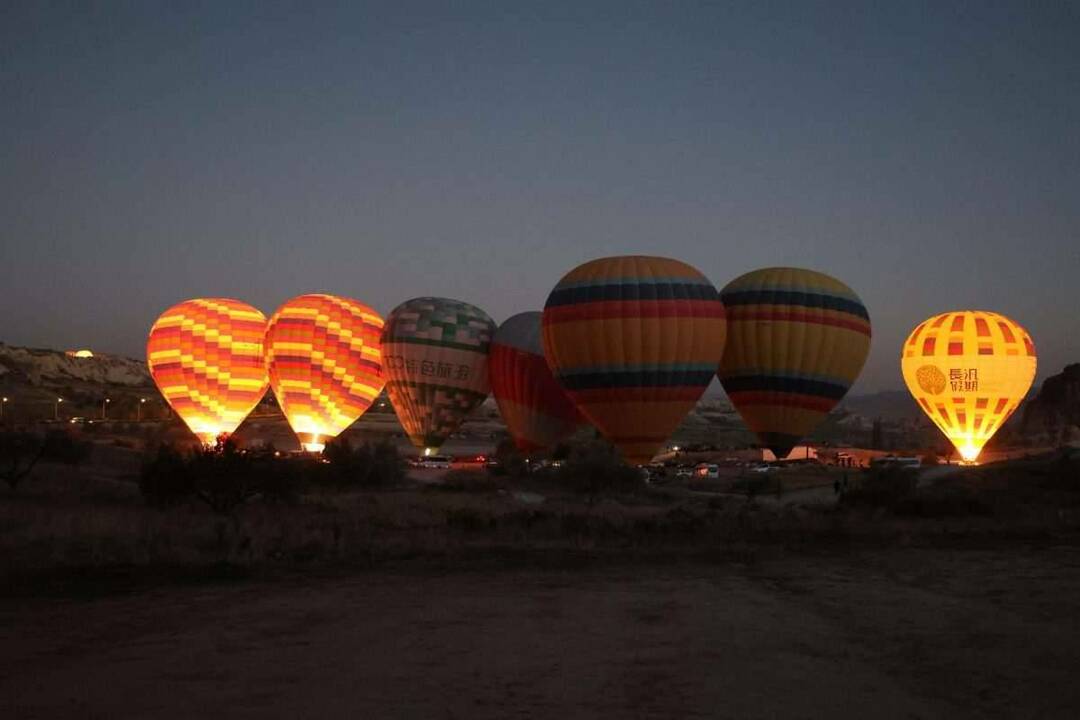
x=32, y=379
x=51, y=368
x=1054, y=413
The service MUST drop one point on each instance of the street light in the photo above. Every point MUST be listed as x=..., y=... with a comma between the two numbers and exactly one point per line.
x=104, y=403
x=56, y=408
x=141, y=401
x=2, y=404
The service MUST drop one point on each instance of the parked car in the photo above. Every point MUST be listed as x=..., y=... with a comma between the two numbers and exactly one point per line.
x=440, y=462
x=684, y=471
x=706, y=471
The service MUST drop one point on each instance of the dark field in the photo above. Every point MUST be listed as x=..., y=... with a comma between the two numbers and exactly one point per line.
x=896, y=634
x=473, y=597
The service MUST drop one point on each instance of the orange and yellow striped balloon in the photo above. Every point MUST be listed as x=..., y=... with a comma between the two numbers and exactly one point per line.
x=324, y=357
x=969, y=370
x=206, y=357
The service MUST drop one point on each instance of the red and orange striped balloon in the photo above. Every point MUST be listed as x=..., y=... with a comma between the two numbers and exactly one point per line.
x=537, y=411
x=206, y=357
x=324, y=358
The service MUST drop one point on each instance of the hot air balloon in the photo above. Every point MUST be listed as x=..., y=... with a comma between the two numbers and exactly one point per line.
x=968, y=370
x=635, y=341
x=436, y=354
x=206, y=357
x=324, y=358
x=797, y=340
x=537, y=411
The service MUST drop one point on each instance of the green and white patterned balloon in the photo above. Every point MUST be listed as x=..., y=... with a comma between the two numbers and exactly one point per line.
x=435, y=354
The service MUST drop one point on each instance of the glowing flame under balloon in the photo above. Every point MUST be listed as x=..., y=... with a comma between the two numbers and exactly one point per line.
x=206, y=357
x=968, y=370
x=324, y=359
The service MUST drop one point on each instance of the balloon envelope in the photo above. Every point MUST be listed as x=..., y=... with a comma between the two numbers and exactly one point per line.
x=206, y=357
x=968, y=370
x=436, y=357
x=635, y=341
x=537, y=411
x=797, y=340
x=324, y=358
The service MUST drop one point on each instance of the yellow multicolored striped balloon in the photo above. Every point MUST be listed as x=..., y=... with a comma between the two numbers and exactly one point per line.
x=797, y=340
x=206, y=357
x=969, y=370
x=324, y=357
x=635, y=341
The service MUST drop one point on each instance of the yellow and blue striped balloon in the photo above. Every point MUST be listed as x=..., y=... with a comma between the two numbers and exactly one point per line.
x=635, y=341
x=797, y=340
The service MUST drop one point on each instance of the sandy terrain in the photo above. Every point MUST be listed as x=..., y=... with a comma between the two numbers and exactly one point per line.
x=906, y=634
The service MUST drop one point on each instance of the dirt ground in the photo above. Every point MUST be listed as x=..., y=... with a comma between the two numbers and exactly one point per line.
x=902, y=634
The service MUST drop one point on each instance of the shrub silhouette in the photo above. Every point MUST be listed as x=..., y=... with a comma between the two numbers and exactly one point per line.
x=227, y=476
x=596, y=468
x=20, y=451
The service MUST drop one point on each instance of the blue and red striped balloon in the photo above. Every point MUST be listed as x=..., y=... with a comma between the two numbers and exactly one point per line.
x=635, y=341
x=797, y=340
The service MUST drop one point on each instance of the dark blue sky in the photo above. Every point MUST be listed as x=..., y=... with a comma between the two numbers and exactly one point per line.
x=926, y=154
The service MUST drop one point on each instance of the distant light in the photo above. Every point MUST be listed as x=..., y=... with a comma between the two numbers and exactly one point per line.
x=59, y=400
x=675, y=448
x=142, y=400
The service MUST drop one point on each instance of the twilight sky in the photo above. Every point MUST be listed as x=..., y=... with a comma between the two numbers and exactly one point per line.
x=926, y=154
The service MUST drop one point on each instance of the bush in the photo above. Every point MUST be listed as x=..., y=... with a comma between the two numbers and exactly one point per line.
x=223, y=477
x=226, y=476
x=19, y=452
x=896, y=489
x=511, y=461
x=883, y=487
x=369, y=465
x=166, y=479
x=596, y=468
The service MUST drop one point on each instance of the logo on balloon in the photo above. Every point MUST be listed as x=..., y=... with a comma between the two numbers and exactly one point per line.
x=931, y=379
